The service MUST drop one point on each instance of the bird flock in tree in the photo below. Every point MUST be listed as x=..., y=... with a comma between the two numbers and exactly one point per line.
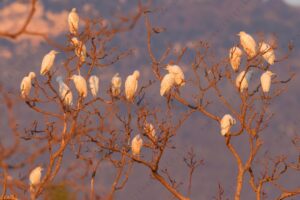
x=243, y=79
x=174, y=78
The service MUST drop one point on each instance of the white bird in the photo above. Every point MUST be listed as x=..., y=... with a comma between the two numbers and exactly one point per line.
x=25, y=86
x=116, y=83
x=235, y=56
x=248, y=43
x=150, y=130
x=35, y=177
x=242, y=80
x=267, y=52
x=80, y=85
x=47, y=62
x=73, y=20
x=64, y=92
x=167, y=83
x=178, y=73
x=226, y=123
x=80, y=49
x=131, y=85
x=265, y=81
x=94, y=85
x=136, y=145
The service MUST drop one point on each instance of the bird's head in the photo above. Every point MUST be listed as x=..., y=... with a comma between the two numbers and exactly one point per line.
x=241, y=33
x=116, y=75
x=73, y=77
x=271, y=73
x=168, y=68
x=54, y=52
x=73, y=9
x=39, y=168
x=75, y=40
x=32, y=75
x=136, y=74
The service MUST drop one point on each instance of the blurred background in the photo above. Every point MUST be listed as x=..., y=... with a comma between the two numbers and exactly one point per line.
x=185, y=22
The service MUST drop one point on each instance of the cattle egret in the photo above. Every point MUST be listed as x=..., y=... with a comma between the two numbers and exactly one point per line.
x=136, y=145
x=167, y=83
x=178, y=74
x=226, y=123
x=73, y=20
x=64, y=92
x=94, y=85
x=267, y=52
x=80, y=85
x=35, y=177
x=149, y=129
x=116, y=83
x=242, y=80
x=131, y=85
x=47, y=62
x=248, y=43
x=25, y=86
x=235, y=56
x=80, y=49
x=265, y=81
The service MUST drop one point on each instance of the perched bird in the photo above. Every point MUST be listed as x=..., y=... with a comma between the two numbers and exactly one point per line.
x=150, y=130
x=265, y=81
x=178, y=74
x=73, y=20
x=248, y=43
x=25, y=86
x=116, y=83
x=80, y=49
x=235, y=56
x=242, y=80
x=167, y=83
x=80, y=85
x=94, y=85
x=226, y=123
x=131, y=85
x=64, y=92
x=267, y=52
x=136, y=145
x=35, y=177
x=47, y=62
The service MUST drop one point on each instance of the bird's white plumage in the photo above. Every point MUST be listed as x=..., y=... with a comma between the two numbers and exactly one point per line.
x=131, y=85
x=25, y=86
x=47, y=62
x=73, y=21
x=80, y=48
x=265, y=81
x=242, y=80
x=150, y=130
x=267, y=52
x=167, y=83
x=94, y=85
x=136, y=145
x=80, y=85
x=248, y=43
x=64, y=92
x=116, y=83
x=178, y=74
x=235, y=56
x=35, y=176
x=226, y=123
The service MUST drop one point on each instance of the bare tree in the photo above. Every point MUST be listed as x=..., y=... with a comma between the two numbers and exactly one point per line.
x=100, y=129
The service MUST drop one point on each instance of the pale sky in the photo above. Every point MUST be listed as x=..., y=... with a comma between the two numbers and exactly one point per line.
x=293, y=2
